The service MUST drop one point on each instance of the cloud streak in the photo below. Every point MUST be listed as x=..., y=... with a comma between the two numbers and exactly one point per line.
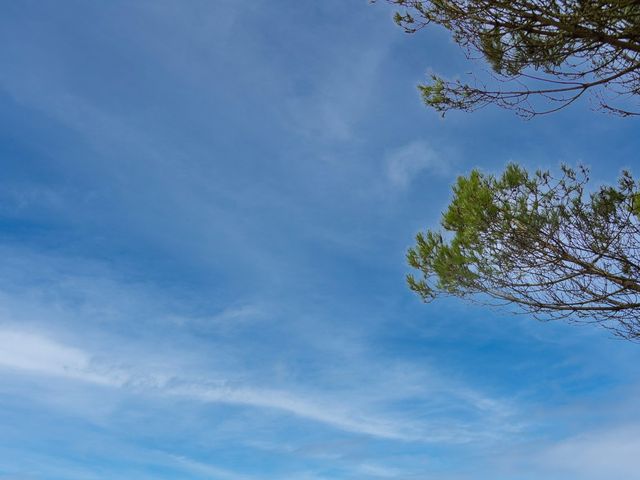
x=33, y=353
x=596, y=455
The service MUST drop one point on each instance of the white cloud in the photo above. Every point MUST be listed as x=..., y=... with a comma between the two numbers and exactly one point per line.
x=39, y=355
x=34, y=353
x=30, y=352
x=44, y=332
x=210, y=471
x=378, y=471
x=599, y=455
x=343, y=418
x=407, y=162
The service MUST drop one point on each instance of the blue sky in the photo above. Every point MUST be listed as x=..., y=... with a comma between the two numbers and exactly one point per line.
x=204, y=212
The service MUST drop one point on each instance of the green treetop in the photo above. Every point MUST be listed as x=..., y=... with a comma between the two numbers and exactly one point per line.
x=545, y=54
x=543, y=244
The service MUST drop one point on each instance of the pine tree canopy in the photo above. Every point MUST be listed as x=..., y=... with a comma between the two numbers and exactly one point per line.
x=544, y=54
x=547, y=245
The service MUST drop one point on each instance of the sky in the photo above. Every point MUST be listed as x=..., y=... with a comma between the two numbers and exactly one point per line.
x=204, y=212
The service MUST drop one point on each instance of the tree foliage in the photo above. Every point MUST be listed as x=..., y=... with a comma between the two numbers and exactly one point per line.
x=545, y=54
x=547, y=245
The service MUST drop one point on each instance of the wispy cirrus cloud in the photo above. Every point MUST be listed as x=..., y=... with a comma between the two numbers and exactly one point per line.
x=34, y=353
x=406, y=163
x=596, y=455
x=342, y=385
x=37, y=354
x=206, y=469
